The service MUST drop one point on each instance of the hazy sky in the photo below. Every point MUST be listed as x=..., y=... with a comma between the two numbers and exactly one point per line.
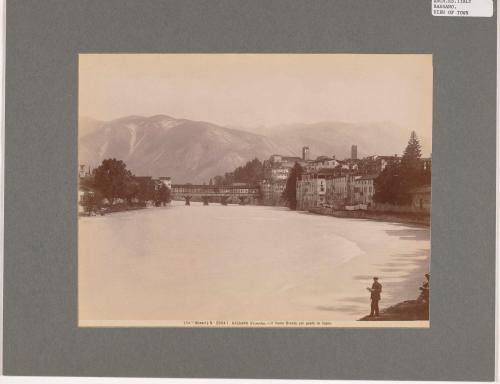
x=255, y=90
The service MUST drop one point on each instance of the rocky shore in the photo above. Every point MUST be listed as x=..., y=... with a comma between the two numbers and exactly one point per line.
x=406, y=311
x=112, y=209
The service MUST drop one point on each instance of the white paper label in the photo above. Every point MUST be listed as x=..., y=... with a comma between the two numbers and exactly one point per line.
x=462, y=8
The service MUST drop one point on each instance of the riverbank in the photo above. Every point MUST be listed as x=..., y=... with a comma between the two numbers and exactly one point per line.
x=113, y=209
x=409, y=310
x=393, y=217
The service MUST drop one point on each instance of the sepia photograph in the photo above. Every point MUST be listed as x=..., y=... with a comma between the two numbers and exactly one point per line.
x=254, y=190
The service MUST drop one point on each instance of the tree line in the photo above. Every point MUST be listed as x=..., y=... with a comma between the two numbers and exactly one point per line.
x=250, y=173
x=112, y=182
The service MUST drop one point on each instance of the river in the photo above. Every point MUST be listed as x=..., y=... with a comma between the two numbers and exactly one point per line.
x=242, y=263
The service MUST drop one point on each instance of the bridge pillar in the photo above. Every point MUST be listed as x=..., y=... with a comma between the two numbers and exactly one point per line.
x=223, y=200
x=206, y=200
x=242, y=200
x=188, y=200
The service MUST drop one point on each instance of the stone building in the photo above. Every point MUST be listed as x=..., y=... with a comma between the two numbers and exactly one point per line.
x=322, y=162
x=354, y=152
x=340, y=190
x=364, y=189
x=84, y=170
x=272, y=191
x=312, y=188
x=277, y=169
x=305, y=153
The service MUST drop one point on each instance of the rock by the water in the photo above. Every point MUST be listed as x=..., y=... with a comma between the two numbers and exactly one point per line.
x=406, y=311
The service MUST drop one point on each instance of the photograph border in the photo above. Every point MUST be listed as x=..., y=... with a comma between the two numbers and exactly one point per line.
x=251, y=322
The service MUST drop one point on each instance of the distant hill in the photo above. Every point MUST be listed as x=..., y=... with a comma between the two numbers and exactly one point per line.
x=88, y=125
x=195, y=151
x=336, y=138
x=188, y=151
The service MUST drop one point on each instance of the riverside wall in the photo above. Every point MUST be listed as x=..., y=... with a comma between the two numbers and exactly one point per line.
x=398, y=217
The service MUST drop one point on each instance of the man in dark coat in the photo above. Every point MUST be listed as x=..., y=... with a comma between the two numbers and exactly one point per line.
x=375, y=296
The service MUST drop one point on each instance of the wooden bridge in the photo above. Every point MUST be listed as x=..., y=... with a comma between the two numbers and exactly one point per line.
x=220, y=193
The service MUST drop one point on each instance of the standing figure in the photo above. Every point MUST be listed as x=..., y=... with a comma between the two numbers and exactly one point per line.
x=375, y=291
x=424, y=294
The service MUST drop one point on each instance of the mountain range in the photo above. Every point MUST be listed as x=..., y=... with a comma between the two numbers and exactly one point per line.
x=195, y=151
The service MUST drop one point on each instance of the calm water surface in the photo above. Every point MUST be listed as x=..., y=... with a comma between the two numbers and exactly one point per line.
x=242, y=263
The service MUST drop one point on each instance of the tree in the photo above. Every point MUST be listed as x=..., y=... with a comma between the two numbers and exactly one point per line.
x=145, y=190
x=163, y=194
x=113, y=180
x=413, y=152
x=388, y=188
x=250, y=173
x=411, y=169
x=395, y=182
x=87, y=182
x=219, y=180
x=290, y=192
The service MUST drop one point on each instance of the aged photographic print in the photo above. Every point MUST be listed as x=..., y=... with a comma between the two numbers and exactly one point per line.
x=254, y=190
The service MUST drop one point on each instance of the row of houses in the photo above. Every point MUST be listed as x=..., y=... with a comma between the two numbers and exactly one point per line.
x=330, y=182
x=277, y=170
x=330, y=188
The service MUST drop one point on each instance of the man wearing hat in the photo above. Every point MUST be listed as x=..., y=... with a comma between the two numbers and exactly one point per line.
x=375, y=296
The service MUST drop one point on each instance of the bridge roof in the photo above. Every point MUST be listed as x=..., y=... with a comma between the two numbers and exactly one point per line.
x=213, y=186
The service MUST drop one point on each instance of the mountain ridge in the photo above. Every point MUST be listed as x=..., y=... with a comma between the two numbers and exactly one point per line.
x=186, y=150
x=195, y=151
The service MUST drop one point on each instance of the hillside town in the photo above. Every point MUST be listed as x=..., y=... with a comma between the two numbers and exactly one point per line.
x=327, y=182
